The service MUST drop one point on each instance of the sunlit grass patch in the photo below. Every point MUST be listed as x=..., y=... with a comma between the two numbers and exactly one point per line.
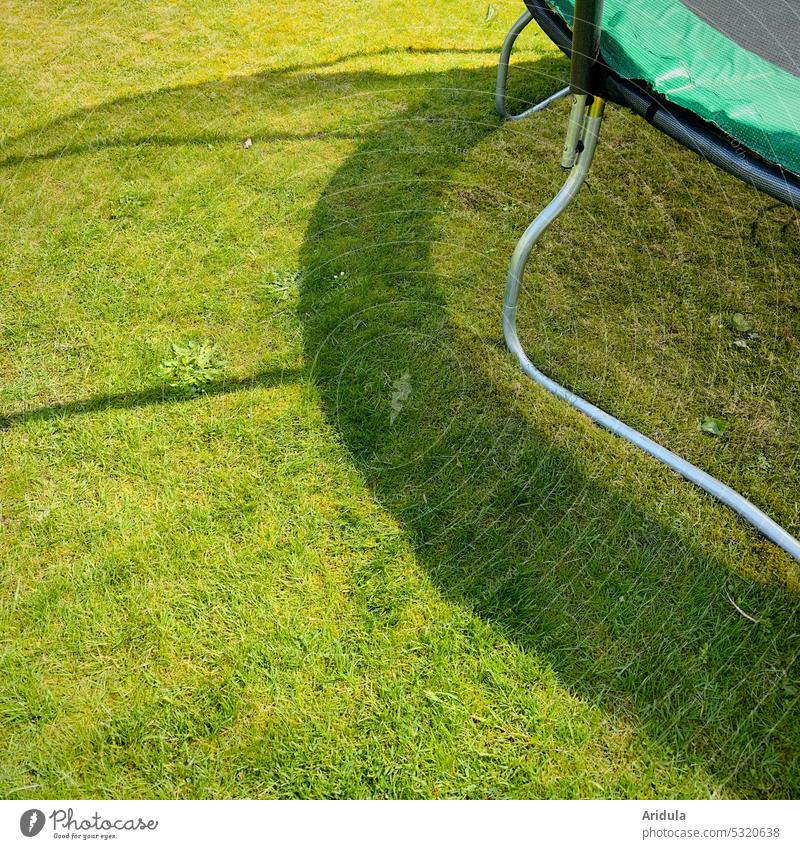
x=343, y=548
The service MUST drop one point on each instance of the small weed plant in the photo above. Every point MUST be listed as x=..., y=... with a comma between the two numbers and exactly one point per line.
x=192, y=366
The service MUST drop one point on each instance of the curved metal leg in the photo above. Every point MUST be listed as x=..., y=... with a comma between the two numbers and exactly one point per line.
x=591, y=128
x=502, y=75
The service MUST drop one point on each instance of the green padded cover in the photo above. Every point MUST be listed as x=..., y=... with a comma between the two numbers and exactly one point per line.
x=691, y=63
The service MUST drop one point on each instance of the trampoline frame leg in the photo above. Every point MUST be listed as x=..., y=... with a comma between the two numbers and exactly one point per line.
x=502, y=75
x=583, y=148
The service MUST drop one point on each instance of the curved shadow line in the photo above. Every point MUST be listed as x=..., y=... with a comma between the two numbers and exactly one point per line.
x=264, y=75
x=506, y=524
x=570, y=552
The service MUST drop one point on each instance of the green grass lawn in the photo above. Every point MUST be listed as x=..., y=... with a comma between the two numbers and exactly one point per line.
x=372, y=559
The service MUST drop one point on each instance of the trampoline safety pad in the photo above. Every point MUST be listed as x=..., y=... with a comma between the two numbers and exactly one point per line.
x=734, y=64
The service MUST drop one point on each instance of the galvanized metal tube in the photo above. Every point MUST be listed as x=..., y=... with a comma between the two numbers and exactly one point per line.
x=502, y=75
x=748, y=511
x=572, y=140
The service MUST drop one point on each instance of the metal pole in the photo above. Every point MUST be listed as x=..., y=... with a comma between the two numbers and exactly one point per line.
x=738, y=503
x=502, y=75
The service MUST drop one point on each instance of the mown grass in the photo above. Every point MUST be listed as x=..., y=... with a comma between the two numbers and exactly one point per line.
x=287, y=587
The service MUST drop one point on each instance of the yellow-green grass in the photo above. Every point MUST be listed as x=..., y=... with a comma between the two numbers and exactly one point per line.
x=287, y=586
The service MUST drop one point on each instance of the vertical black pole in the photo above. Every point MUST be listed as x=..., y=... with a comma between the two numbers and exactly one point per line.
x=585, y=44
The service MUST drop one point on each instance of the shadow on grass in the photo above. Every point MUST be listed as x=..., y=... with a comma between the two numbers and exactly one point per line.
x=148, y=397
x=630, y=614
x=138, y=105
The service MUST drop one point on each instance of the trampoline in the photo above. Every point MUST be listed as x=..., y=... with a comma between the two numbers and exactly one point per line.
x=721, y=78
